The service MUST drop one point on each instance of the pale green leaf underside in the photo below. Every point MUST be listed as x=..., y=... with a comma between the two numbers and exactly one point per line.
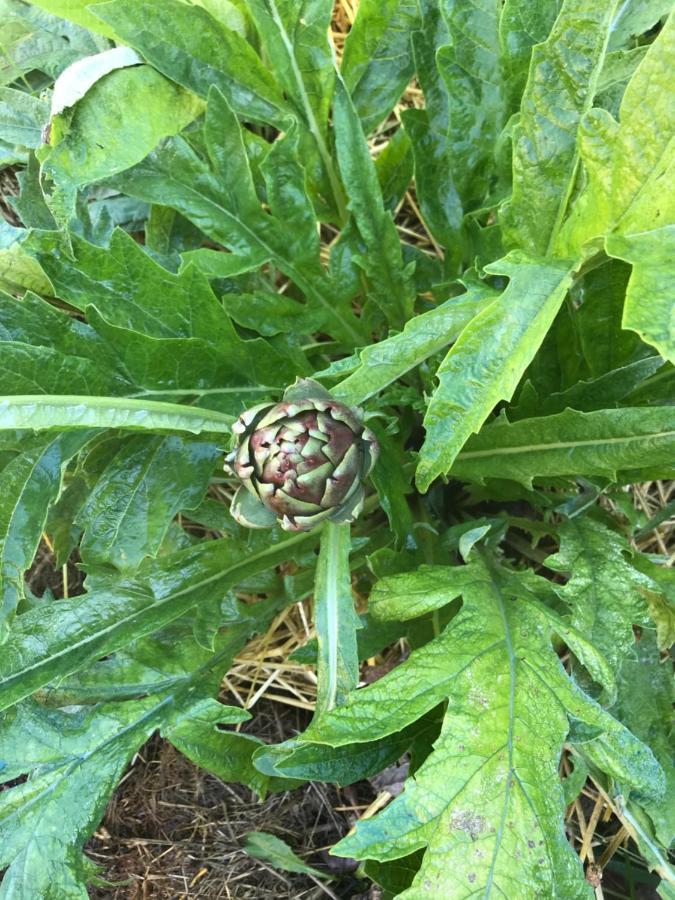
x=336, y=619
x=44, y=412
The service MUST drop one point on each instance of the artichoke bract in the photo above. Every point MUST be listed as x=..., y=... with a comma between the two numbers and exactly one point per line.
x=300, y=461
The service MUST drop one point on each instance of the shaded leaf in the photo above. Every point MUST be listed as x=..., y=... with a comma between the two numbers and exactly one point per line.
x=597, y=393
x=605, y=344
x=470, y=66
x=22, y=117
x=632, y=19
x=31, y=482
x=644, y=704
x=394, y=165
x=389, y=282
x=277, y=853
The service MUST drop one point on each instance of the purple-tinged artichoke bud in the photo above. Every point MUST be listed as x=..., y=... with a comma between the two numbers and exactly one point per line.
x=300, y=461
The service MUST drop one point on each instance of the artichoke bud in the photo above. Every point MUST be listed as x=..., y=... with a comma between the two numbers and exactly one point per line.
x=300, y=461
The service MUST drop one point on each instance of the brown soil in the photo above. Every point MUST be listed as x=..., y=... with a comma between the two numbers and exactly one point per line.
x=174, y=831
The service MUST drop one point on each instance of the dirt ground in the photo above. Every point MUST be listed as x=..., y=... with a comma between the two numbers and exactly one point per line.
x=173, y=831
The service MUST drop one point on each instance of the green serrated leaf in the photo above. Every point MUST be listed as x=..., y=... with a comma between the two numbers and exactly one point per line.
x=487, y=805
x=147, y=482
x=225, y=753
x=75, y=756
x=609, y=443
x=522, y=25
x=389, y=281
x=649, y=307
x=470, y=66
x=604, y=592
x=294, y=35
x=377, y=62
x=277, y=853
x=644, y=705
x=489, y=358
x=195, y=50
x=628, y=163
x=378, y=365
x=562, y=82
x=58, y=412
x=78, y=631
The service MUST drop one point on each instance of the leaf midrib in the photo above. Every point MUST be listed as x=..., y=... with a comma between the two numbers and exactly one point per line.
x=563, y=445
x=231, y=572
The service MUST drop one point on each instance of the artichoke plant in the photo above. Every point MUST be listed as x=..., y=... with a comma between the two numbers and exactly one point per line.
x=300, y=461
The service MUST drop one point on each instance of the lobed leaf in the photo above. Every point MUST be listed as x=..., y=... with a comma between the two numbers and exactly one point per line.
x=175, y=176
x=487, y=804
x=604, y=593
